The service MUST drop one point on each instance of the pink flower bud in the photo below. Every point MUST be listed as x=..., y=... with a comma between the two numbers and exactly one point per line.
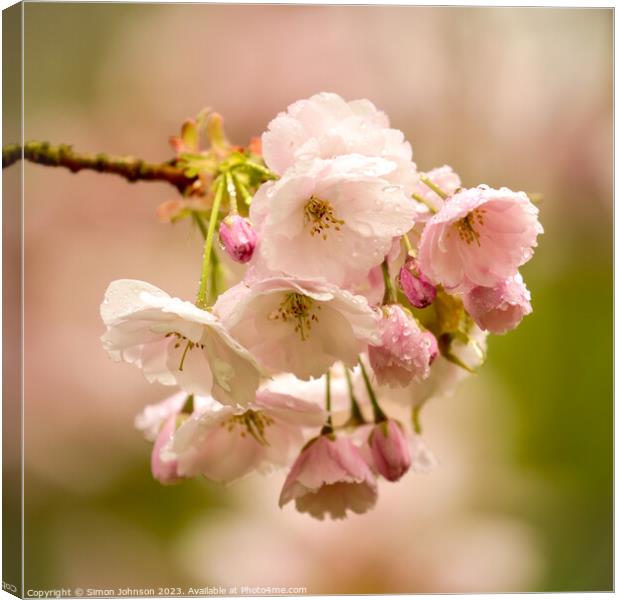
x=390, y=449
x=433, y=347
x=163, y=470
x=238, y=237
x=499, y=309
x=403, y=354
x=418, y=289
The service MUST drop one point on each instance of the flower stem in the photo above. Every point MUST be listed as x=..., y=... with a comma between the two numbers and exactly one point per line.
x=328, y=427
x=428, y=183
x=243, y=191
x=408, y=245
x=421, y=200
x=415, y=419
x=63, y=155
x=232, y=193
x=376, y=409
x=201, y=300
x=356, y=417
x=260, y=169
x=389, y=296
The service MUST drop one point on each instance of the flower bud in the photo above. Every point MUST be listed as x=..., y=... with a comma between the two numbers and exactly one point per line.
x=403, y=353
x=501, y=308
x=390, y=450
x=418, y=289
x=238, y=237
x=433, y=347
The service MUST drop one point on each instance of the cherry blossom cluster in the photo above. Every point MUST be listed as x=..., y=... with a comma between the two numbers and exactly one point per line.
x=367, y=288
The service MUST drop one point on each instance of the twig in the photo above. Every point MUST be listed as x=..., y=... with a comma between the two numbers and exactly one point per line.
x=132, y=169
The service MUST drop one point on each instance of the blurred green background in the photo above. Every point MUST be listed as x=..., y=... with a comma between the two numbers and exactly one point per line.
x=522, y=500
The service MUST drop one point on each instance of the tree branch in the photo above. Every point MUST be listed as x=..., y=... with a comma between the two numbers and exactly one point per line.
x=132, y=169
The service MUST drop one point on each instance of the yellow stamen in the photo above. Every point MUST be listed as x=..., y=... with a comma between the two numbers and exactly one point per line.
x=319, y=215
x=465, y=226
x=299, y=308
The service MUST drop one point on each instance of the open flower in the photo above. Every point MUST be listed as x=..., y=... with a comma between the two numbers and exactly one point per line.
x=334, y=219
x=175, y=343
x=225, y=443
x=158, y=422
x=330, y=476
x=326, y=126
x=298, y=326
x=480, y=237
x=501, y=308
x=404, y=353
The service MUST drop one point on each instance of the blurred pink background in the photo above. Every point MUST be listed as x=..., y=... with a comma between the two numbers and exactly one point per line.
x=515, y=97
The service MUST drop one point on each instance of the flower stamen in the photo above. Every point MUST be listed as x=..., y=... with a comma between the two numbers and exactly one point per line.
x=188, y=346
x=299, y=308
x=465, y=226
x=250, y=422
x=319, y=215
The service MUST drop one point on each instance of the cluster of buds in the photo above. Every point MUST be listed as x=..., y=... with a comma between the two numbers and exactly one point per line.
x=369, y=287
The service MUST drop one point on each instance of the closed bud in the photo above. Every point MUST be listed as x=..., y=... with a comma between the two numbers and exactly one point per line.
x=415, y=285
x=390, y=449
x=238, y=238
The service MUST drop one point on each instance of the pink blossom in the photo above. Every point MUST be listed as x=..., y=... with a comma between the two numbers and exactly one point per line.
x=164, y=471
x=404, y=353
x=174, y=342
x=238, y=238
x=501, y=308
x=480, y=237
x=415, y=285
x=224, y=443
x=298, y=326
x=330, y=476
x=390, y=449
x=326, y=126
x=334, y=219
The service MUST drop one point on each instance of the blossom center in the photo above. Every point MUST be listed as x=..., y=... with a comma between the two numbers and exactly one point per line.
x=299, y=309
x=465, y=226
x=319, y=216
x=188, y=346
x=250, y=422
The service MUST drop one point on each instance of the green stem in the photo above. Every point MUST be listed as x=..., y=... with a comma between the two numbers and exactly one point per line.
x=421, y=200
x=232, y=193
x=328, y=428
x=243, y=191
x=389, y=296
x=415, y=419
x=201, y=299
x=356, y=417
x=188, y=407
x=376, y=409
x=260, y=169
x=408, y=246
x=428, y=183
x=214, y=278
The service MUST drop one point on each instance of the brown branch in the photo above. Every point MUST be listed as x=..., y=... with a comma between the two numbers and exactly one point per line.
x=132, y=169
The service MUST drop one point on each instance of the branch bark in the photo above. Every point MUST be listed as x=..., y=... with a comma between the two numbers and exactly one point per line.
x=63, y=155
